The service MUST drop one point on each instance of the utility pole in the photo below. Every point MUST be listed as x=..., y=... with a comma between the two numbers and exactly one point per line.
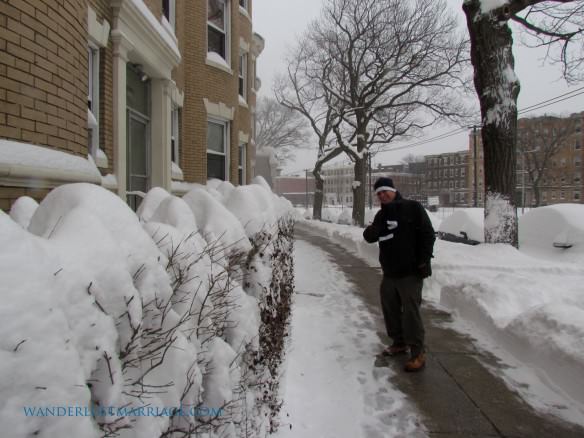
x=369, y=188
x=306, y=188
x=474, y=137
x=523, y=182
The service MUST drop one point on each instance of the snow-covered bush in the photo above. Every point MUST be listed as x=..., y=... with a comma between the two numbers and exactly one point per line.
x=155, y=324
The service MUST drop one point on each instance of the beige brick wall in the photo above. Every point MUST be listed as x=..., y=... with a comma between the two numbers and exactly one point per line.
x=43, y=73
x=10, y=194
x=204, y=81
x=103, y=12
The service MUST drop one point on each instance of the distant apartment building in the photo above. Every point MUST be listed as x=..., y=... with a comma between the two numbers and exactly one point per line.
x=548, y=147
x=339, y=179
x=299, y=190
x=446, y=178
x=127, y=94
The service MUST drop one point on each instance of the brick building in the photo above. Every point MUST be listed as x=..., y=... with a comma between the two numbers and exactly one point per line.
x=129, y=94
x=446, y=177
x=299, y=190
x=561, y=172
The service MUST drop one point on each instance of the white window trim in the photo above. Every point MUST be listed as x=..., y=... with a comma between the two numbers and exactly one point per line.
x=226, y=143
x=242, y=163
x=227, y=33
x=98, y=36
x=171, y=20
x=174, y=133
x=242, y=74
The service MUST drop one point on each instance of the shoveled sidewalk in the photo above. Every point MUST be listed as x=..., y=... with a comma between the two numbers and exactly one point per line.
x=456, y=395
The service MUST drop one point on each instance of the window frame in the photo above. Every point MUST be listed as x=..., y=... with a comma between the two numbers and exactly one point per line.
x=169, y=12
x=226, y=145
x=175, y=134
x=242, y=162
x=93, y=104
x=225, y=31
x=242, y=75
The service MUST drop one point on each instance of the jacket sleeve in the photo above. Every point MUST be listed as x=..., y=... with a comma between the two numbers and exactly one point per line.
x=426, y=236
x=371, y=233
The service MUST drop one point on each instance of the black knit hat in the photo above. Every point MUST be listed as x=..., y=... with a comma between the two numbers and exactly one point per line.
x=384, y=184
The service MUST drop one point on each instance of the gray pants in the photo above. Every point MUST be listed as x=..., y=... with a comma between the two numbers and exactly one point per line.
x=401, y=299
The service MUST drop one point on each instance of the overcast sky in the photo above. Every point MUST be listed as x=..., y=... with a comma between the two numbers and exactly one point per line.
x=280, y=22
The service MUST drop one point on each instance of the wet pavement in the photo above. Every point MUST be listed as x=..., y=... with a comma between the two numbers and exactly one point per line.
x=458, y=394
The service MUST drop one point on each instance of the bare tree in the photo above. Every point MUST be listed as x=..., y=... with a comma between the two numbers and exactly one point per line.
x=556, y=24
x=280, y=128
x=394, y=68
x=539, y=140
x=300, y=90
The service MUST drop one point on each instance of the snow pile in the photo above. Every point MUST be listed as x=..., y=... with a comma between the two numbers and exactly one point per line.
x=529, y=311
x=555, y=231
x=468, y=221
x=135, y=324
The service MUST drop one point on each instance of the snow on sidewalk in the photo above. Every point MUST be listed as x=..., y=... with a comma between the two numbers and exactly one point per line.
x=331, y=387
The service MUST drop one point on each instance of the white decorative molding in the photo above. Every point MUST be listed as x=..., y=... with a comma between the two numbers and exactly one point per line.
x=153, y=47
x=243, y=137
x=219, y=110
x=177, y=97
x=98, y=33
x=258, y=44
x=243, y=45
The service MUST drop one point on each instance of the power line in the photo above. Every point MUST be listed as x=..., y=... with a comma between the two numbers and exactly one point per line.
x=453, y=132
x=530, y=107
x=536, y=106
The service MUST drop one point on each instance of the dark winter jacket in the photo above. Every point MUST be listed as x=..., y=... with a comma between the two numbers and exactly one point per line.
x=406, y=238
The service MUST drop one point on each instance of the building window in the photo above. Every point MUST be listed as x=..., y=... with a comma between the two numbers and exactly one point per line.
x=242, y=160
x=243, y=4
x=217, y=150
x=576, y=196
x=544, y=196
x=93, y=100
x=577, y=145
x=168, y=11
x=562, y=194
x=217, y=26
x=174, y=135
x=242, y=75
x=577, y=162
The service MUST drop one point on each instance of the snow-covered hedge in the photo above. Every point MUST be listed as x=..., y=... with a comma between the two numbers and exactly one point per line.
x=164, y=323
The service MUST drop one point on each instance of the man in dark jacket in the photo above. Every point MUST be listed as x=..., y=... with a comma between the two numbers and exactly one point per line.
x=406, y=241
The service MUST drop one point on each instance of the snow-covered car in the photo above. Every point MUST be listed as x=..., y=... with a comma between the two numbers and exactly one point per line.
x=555, y=230
x=464, y=226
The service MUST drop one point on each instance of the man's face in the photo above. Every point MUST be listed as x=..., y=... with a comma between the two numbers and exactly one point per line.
x=386, y=196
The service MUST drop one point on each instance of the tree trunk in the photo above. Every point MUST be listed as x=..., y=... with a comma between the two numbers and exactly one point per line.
x=536, y=193
x=497, y=88
x=359, y=192
x=318, y=193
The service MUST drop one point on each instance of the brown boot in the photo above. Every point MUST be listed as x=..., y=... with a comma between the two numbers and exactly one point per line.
x=416, y=363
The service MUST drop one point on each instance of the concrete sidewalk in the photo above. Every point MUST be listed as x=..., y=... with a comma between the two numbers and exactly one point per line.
x=456, y=395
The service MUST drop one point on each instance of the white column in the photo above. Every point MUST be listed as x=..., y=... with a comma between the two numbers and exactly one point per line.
x=120, y=58
x=160, y=134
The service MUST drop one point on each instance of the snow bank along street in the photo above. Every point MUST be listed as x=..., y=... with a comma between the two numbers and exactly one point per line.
x=525, y=308
x=160, y=323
